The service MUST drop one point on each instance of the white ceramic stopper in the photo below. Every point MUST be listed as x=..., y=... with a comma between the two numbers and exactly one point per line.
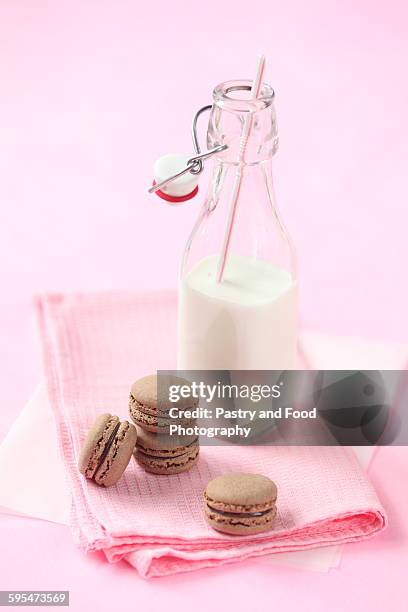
x=170, y=164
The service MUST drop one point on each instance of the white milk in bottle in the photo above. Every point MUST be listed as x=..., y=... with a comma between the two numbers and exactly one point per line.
x=246, y=322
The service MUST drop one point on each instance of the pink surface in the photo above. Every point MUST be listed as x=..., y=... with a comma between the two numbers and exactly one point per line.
x=90, y=96
x=372, y=575
x=94, y=347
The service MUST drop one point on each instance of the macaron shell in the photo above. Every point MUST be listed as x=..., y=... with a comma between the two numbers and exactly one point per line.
x=149, y=392
x=118, y=456
x=170, y=465
x=163, y=445
x=240, y=525
x=95, y=442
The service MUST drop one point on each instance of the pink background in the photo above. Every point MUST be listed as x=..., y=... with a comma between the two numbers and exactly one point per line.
x=91, y=93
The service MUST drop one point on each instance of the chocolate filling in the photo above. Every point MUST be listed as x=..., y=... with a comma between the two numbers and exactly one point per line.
x=239, y=514
x=106, y=450
x=160, y=412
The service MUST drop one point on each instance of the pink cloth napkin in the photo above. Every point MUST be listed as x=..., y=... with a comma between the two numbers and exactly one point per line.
x=94, y=347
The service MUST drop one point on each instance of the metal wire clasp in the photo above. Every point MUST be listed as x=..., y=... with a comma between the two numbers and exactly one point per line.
x=195, y=163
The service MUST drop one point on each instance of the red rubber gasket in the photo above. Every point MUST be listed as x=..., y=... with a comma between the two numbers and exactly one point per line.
x=175, y=199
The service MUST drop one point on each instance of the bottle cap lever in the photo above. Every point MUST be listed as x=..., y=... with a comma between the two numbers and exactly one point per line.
x=181, y=171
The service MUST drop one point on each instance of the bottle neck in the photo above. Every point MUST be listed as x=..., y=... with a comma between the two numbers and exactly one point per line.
x=248, y=127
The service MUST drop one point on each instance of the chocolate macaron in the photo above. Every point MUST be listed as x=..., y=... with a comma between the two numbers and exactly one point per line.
x=149, y=403
x=107, y=449
x=241, y=504
x=164, y=454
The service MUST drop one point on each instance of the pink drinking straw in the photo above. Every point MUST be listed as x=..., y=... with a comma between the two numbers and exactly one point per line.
x=256, y=88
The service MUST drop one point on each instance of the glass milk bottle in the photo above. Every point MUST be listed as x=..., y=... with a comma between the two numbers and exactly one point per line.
x=238, y=289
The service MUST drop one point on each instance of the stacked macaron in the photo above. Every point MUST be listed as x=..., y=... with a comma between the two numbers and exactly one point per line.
x=159, y=450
